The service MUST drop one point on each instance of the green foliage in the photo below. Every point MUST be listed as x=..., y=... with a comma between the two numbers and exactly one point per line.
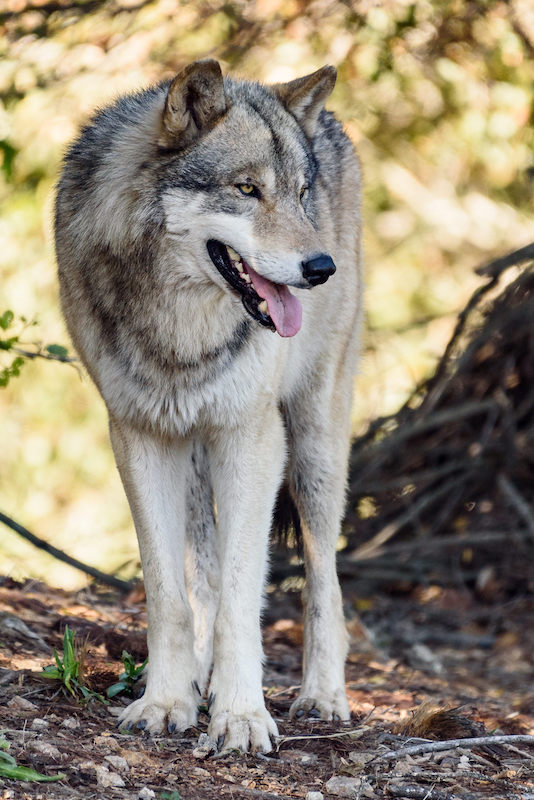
x=7, y=153
x=58, y=351
x=6, y=320
x=12, y=343
x=7, y=343
x=128, y=678
x=68, y=670
x=10, y=769
x=170, y=796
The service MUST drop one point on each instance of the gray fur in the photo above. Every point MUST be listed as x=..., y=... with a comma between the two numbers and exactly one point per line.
x=194, y=384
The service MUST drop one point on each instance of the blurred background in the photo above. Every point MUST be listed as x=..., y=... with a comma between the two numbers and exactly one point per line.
x=436, y=96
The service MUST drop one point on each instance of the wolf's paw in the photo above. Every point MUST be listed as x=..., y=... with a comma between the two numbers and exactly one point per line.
x=155, y=718
x=246, y=732
x=332, y=706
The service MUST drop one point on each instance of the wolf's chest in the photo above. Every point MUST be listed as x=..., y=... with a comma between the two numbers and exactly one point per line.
x=161, y=389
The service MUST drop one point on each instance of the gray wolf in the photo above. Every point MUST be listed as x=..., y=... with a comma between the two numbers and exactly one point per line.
x=208, y=243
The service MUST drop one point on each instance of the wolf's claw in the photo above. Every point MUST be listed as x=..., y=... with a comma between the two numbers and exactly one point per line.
x=153, y=718
x=327, y=707
x=247, y=733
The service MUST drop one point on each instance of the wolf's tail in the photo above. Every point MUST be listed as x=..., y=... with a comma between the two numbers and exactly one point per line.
x=287, y=528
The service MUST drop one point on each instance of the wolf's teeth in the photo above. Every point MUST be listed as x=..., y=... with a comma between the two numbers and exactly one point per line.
x=232, y=253
x=263, y=307
x=246, y=277
x=238, y=266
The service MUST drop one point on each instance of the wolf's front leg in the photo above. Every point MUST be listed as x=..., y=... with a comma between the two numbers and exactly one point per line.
x=154, y=472
x=246, y=467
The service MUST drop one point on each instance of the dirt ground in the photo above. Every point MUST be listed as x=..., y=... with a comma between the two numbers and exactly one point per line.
x=427, y=645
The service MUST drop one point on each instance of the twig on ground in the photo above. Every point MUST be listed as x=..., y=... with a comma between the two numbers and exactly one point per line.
x=452, y=744
x=354, y=733
x=421, y=793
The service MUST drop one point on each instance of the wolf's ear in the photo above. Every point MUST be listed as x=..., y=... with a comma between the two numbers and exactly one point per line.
x=305, y=97
x=194, y=103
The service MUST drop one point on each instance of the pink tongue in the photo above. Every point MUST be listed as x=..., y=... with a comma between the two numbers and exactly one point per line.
x=284, y=308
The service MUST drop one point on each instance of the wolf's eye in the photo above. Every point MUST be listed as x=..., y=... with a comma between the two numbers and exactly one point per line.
x=303, y=194
x=248, y=189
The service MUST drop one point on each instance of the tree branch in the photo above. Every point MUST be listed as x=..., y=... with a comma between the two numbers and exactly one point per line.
x=109, y=580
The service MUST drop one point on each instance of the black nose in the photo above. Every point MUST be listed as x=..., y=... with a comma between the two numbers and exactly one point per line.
x=317, y=270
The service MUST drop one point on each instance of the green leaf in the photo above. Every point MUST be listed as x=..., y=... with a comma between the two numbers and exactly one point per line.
x=8, y=153
x=7, y=344
x=116, y=688
x=7, y=758
x=57, y=350
x=129, y=663
x=27, y=774
x=131, y=671
x=9, y=768
x=139, y=670
x=52, y=672
x=6, y=319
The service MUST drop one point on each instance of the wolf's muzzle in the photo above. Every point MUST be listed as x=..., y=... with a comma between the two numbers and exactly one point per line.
x=317, y=270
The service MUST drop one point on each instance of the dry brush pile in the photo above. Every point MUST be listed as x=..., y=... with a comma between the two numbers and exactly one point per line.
x=452, y=473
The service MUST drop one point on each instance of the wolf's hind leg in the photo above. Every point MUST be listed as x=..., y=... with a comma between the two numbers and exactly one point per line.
x=154, y=473
x=201, y=560
x=317, y=474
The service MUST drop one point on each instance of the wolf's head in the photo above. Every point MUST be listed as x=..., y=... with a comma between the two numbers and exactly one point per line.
x=241, y=186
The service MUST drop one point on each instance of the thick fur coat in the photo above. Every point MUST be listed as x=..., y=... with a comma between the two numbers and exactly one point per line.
x=208, y=243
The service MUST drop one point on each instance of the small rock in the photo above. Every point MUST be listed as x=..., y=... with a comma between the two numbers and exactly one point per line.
x=11, y=624
x=360, y=759
x=355, y=788
x=201, y=773
x=70, y=722
x=204, y=747
x=39, y=724
x=118, y=762
x=134, y=758
x=7, y=676
x=422, y=657
x=108, y=742
x=45, y=749
x=315, y=796
x=86, y=765
x=106, y=779
x=146, y=794
x=300, y=757
x=21, y=703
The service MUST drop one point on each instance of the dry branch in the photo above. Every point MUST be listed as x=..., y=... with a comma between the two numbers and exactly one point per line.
x=453, y=744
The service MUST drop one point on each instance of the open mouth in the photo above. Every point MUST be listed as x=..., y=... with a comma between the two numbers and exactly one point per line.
x=271, y=304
